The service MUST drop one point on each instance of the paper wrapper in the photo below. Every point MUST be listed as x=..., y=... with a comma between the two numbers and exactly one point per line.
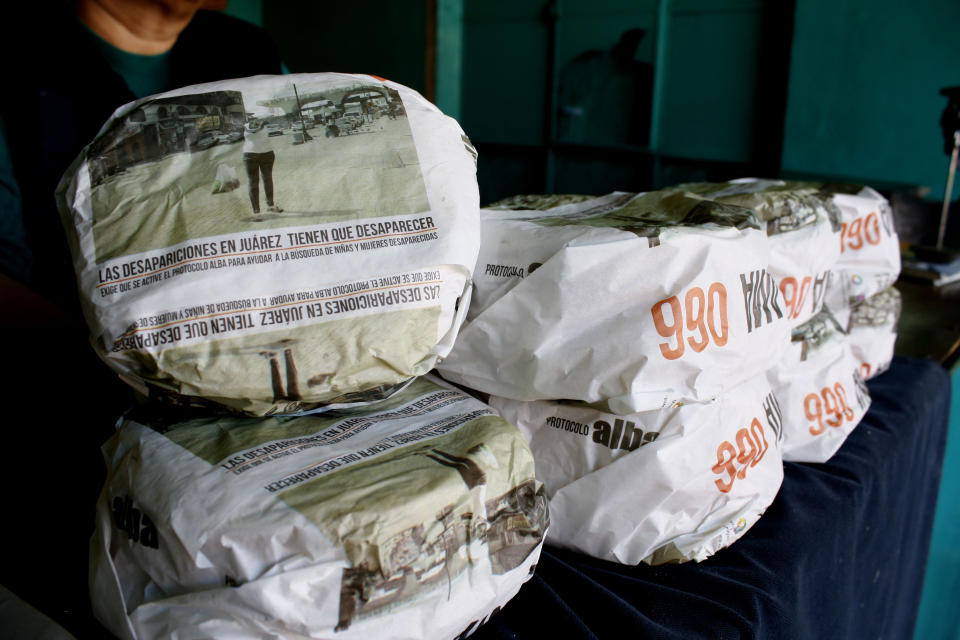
x=872, y=331
x=639, y=301
x=342, y=297
x=804, y=227
x=869, y=249
x=821, y=391
x=412, y=518
x=657, y=486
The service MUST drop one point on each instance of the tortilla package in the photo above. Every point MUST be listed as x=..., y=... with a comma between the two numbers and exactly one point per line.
x=413, y=518
x=869, y=248
x=659, y=486
x=804, y=228
x=821, y=391
x=337, y=270
x=640, y=301
x=872, y=331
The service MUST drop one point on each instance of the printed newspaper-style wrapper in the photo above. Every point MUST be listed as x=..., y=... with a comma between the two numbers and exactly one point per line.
x=640, y=301
x=872, y=331
x=869, y=249
x=416, y=517
x=804, y=228
x=668, y=485
x=821, y=391
x=276, y=243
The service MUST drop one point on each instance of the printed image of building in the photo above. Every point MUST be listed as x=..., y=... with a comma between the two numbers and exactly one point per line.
x=165, y=126
x=428, y=556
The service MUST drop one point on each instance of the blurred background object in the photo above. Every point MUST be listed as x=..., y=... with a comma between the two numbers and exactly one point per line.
x=950, y=125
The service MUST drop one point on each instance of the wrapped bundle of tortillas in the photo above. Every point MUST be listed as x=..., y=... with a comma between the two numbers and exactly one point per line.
x=640, y=301
x=821, y=390
x=415, y=517
x=335, y=271
x=657, y=486
x=804, y=229
x=540, y=201
x=869, y=249
x=872, y=331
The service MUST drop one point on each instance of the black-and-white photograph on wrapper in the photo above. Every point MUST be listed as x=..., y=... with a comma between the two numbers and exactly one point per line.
x=191, y=166
x=881, y=309
x=816, y=333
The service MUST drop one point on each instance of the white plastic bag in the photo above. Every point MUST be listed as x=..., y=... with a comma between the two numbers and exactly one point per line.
x=226, y=179
x=657, y=486
x=412, y=518
x=346, y=281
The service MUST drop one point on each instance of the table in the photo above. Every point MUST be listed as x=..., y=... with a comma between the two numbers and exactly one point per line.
x=929, y=325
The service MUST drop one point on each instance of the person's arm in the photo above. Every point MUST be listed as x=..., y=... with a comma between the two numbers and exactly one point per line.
x=25, y=309
x=15, y=257
x=22, y=308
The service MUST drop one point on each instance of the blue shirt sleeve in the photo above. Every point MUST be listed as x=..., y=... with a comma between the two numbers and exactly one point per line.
x=15, y=258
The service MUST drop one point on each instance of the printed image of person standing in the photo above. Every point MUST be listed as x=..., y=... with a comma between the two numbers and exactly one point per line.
x=258, y=158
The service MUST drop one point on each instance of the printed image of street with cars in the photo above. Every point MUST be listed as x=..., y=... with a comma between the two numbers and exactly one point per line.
x=172, y=169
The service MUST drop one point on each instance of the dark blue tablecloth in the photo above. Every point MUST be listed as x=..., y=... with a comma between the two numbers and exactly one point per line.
x=839, y=554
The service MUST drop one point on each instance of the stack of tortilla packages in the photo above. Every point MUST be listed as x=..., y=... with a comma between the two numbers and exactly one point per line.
x=629, y=338
x=292, y=471
x=837, y=257
x=658, y=351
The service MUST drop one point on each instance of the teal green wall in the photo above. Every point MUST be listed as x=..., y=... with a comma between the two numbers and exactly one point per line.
x=864, y=83
x=448, y=57
x=711, y=64
x=720, y=78
x=386, y=38
x=855, y=97
x=504, y=71
x=249, y=10
x=711, y=80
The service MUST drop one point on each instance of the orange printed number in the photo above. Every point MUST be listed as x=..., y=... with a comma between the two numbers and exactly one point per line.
x=726, y=455
x=814, y=411
x=751, y=445
x=832, y=406
x=829, y=406
x=695, y=321
x=794, y=294
x=705, y=315
x=861, y=231
x=673, y=328
x=717, y=310
x=842, y=399
x=757, y=430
